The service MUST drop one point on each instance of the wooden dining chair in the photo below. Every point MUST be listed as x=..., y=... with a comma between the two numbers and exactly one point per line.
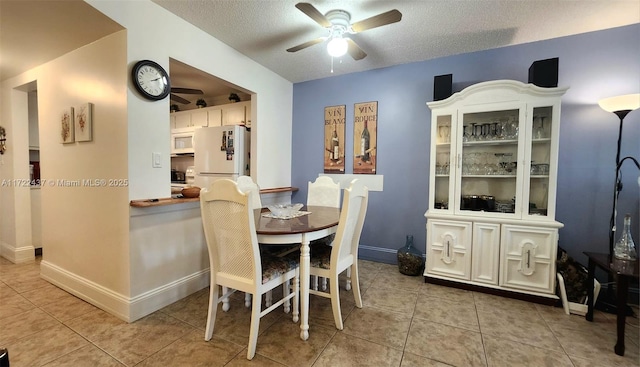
x=329, y=261
x=323, y=192
x=235, y=260
x=246, y=184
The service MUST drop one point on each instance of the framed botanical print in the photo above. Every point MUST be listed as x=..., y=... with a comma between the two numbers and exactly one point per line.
x=83, y=122
x=66, y=126
x=334, y=124
x=365, y=126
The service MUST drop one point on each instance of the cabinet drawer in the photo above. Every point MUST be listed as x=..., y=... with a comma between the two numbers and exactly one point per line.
x=449, y=249
x=528, y=258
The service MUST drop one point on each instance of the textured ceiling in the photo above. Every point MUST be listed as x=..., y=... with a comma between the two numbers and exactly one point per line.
x=34, y=32
x=263, y=30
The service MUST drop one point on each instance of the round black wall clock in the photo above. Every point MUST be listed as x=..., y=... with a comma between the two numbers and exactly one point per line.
x=151, y=80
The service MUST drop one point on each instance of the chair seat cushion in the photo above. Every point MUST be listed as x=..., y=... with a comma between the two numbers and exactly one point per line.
x=273, y=266
x=320, y=256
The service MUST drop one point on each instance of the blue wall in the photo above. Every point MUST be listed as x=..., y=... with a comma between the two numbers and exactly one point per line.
x=594, y=65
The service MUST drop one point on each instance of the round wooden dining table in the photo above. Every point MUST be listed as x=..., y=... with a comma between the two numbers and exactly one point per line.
x=320, y=222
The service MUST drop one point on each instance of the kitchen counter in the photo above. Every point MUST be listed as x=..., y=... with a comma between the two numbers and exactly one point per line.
x=170, y=201
x=160, y=202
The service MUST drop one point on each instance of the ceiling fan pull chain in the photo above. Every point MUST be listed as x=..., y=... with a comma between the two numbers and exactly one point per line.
x=331, y=64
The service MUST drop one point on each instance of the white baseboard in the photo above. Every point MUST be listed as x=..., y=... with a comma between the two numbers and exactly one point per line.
x=123, y=307
x=17, y=255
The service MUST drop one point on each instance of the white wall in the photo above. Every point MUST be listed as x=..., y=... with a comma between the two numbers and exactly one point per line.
x=167, y=250
x=95, y=245
x=84, y=229
x=160, y=35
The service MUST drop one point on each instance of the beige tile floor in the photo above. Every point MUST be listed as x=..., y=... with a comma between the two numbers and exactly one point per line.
x=404, y=322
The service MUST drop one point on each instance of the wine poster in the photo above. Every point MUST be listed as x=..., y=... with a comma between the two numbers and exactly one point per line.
x=365, y=123
x=334, y=123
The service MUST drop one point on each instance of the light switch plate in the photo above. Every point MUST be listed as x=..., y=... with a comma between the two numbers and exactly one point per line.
x=157, y=160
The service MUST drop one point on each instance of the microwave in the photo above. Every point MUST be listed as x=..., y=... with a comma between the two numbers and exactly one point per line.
x=182, y=143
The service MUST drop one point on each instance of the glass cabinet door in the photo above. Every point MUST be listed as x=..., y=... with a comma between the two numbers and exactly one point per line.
x=541, y=130
x=442, y=171
x=489, y=156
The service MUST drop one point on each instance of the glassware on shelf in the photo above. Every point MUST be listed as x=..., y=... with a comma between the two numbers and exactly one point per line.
x=502, y=128
x=512, y=128
x=465, y=134
x=506, y=167
x=493, y=164
x=443, y=131
x=442, y=164
x=474, y=134
x=538, y=130
x=486, y=131
x=625, y=249
x=465, y=163
x=493, y=130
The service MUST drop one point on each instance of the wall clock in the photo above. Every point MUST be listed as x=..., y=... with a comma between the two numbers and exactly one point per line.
x=151, y=80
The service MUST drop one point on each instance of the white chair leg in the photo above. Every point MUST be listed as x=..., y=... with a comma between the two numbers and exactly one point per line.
x=285, y=292
x=255, y=326
x=335, y=302
x=315, y=282
x=225, y=302
x=296, y=295
x=324, y=284
x=348, y=285
x=247, y=300
x=356, y=284
x=213, y=309
x=268, y=299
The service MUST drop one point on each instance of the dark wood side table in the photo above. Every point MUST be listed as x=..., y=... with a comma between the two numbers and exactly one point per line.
x=623, y=271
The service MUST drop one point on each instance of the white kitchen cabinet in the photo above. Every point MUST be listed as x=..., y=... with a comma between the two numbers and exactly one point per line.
x=199, y=118
x=181, y=121
x=214, y=115
x=235, y=113
x=493, y=168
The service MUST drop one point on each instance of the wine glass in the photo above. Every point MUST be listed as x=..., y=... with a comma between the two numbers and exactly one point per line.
x=443, y=131
x=538, y=132
x=465, y=134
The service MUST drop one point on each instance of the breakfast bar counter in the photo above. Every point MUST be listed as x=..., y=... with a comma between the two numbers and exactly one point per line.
x=146, y=203
x=161, y=202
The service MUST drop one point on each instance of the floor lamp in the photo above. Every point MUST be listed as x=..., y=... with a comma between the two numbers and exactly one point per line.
x=621, y=106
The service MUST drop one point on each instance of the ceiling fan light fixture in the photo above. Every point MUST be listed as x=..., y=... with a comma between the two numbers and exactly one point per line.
x=337, y=47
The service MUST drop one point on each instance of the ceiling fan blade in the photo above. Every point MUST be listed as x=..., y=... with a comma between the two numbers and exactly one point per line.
x=354, y=50
x=314, y=14
x=179, y=99
x=389, y=17
x=306, y=44
x=186, y=91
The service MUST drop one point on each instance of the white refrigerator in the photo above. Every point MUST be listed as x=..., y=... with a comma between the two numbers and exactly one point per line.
x=220, y=152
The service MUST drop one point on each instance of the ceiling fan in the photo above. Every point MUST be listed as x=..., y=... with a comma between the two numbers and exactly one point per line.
x=179, y=99
x=338, y=22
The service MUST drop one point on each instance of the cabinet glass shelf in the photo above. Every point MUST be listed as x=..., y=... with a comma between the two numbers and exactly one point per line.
x=490, y=142
x=488, y=176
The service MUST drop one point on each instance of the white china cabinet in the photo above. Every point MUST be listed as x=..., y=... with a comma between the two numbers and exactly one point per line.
x=492, y=188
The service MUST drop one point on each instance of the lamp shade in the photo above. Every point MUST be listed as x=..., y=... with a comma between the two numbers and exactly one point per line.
x=627, y=102
x=337, y=47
